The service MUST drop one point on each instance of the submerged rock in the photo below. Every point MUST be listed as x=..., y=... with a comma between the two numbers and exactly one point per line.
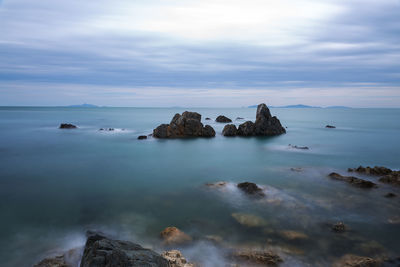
x=223, y=119
x=330, y=126
x=101, y=251
x=352, y=180
x=142, y=137
x=251, y=189
x=176, y=259
x=249, y=220
x=296, y=169
x=298, y=147
x=258, y=257
x=174, y=236
x=350, y=260
x=186, y=125
x=229, y=130
x=239, y=118
x=339, y=227
x=67, y=126
x=293, y=235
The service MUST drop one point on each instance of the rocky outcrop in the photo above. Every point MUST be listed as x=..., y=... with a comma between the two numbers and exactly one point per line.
x=352, y=180
x=229, y=130
x=330, y=126
x=339, y=227
x=223, y=119
x=246, y=129
x=176, y=259
x=67, y=126
x=142, y=137
x=251, y=189
x=350, y=260
x=186, y=125
x=174, y=236
x=255, y=257
x=387, y=175
x=101, y=251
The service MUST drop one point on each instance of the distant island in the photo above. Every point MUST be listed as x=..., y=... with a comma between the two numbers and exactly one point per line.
x=300, y=106
x=83, y=106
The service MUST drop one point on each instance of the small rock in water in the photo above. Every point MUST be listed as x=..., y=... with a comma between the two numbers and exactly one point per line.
x=223, y=119
x=390, y=195
x=352, y=180
x=216, y=185
x=350, y=260
x=263, y=258
x=249, y=220
x=142, y=137
x=251, y=189
x=339, y=227
x=330, y=126
x=239, y=118
x=229, y=130
x=293, y=235
x=208, y=119
x=67, y=126
x=297, y=169
x=174, y=236
x=298, y=147
x=176, y=259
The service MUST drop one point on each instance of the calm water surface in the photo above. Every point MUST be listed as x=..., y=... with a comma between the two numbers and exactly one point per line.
x=55, y=184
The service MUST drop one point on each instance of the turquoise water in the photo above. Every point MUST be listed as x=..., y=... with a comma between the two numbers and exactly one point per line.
x=55, y=184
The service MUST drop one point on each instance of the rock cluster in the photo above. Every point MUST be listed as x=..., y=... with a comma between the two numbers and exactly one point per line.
x=387, y=175
x=352, y=180
x=186, y=125
x=67, y=126
x=265, y=125
x=223, y=119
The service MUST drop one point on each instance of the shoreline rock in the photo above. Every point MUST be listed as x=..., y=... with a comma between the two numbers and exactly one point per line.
x=67, y=126
x=186, y=125
x=353, y=180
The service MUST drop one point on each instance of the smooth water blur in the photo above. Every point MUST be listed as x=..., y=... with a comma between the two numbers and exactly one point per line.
x=55, y=184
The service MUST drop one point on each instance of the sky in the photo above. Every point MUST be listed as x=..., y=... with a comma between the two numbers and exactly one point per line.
x=208, y=53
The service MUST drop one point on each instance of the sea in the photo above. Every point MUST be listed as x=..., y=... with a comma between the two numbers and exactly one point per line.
x=55, y=184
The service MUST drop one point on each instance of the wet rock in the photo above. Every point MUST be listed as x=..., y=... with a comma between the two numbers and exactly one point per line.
x=350, y=260
x=246, y=129
x=223, y=119
x=142, y=137
x=390, y=195
x=251, y=189
x=352, y=180
x=330, y=126
x=258, y=257
x=186, y=125
x=392, y=178
x=208, y=119
x=339, y=227
x=293, y=235
x=377, y=170
x=57, y=261
x=229, y=130
x=174, y=236
x=298, y=147
x=249, y=220
x=176, y=259
x=265, y=124
x=67, y=126
x=101, y=251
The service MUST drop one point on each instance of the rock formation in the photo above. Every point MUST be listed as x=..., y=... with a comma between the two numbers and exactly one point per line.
x=251, y=189
x=67, y=126
x=142, y=137
x=186, y=125
x=174, y=236
x=223, y=119
x=387, y=175
x=229, y=130
x=101, y=251
x=352, y=180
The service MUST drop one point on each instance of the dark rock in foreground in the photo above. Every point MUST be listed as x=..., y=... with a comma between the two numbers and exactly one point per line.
x=67, y=126
x=142, y=137
x=352, y=180
x=186, y=125
x=101, y=251
x=251, y=189
x=330, y=126
x=229, y=130
x=223, y=119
